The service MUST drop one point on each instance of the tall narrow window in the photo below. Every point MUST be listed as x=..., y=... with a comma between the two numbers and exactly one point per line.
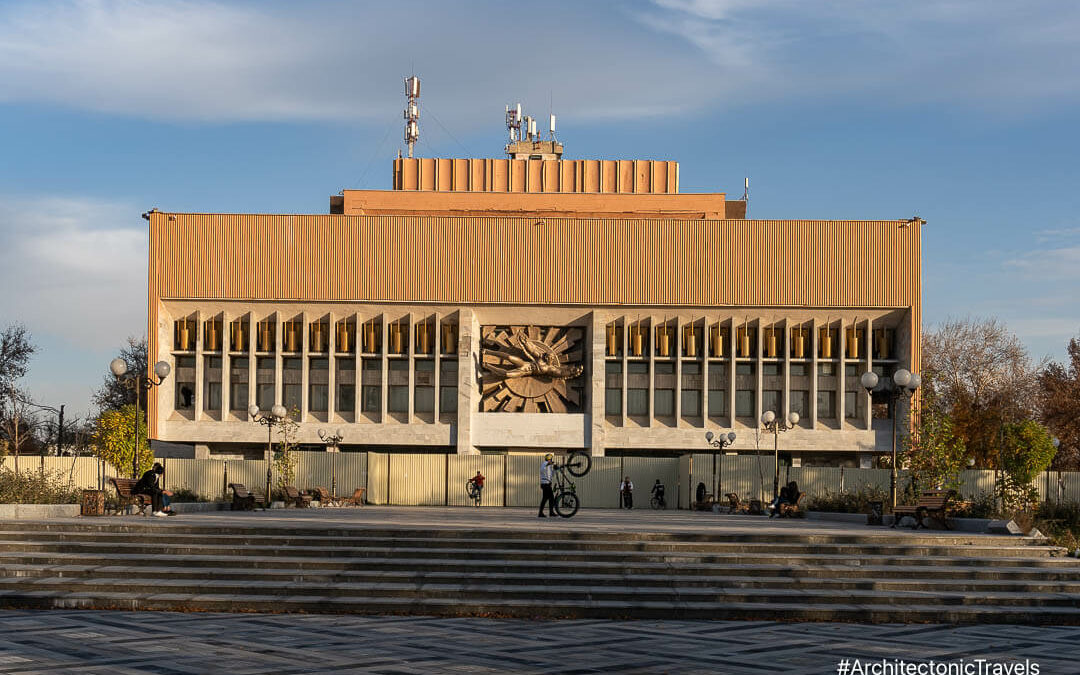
x=345, y=380
x=613, y=382
x=448, y=392
x=371, y=391
x=319, y=384
x=718, y=384
x=424, y=384
x=238, y=383
x=397, y=399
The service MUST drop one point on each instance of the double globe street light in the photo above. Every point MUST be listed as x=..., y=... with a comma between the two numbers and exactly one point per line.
x=268, y=420
x=903, y=385
x=138, y=383
x=333, y=443
x=774, y=425
x=719, y=442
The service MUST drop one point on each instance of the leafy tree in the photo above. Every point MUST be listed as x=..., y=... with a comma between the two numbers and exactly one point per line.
x=1026, y=451
x=1059, y=404
x=284, y=460
x=980, y=374
x=933, y=453
x=114, y=441
x=113, y=395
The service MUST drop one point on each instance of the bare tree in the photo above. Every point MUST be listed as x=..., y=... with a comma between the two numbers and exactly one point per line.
x=17, y=423
x=113, y=395
x=15, y=352
x=980, y=373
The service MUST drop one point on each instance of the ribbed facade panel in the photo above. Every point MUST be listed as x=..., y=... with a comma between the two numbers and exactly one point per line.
x=519, y=260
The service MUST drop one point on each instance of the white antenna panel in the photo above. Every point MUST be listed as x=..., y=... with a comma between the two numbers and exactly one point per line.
x=553, y=124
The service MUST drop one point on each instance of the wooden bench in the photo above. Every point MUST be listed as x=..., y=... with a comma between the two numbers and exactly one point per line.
x=357, y=498
x=325, y=498
x=932, y=503
x=294, y=497
x=125, y=498
x=243, y=500
x=789, y=509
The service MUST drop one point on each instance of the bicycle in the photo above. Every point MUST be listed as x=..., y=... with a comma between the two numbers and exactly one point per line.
x=658, y=502
x=474, y=491
x=564, y=489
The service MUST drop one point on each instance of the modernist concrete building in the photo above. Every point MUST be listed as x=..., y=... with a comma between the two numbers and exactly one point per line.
x=530, y=303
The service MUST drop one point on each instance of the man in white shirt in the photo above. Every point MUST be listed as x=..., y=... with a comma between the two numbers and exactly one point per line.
x=547, y=471
x=626, y=491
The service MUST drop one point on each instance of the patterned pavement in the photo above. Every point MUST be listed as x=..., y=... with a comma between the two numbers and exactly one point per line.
x=181, y=644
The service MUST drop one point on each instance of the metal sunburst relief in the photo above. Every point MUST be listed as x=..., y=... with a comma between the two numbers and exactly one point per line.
x=530, y=368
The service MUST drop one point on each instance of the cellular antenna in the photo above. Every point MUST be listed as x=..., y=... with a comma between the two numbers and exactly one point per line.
x=746, y=195
x=513, y=122
x=412, y=112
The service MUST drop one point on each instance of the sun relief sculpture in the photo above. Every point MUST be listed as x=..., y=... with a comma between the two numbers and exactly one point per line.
x=529, y=369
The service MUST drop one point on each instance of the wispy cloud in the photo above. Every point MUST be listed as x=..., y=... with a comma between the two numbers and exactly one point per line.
x=208, y=61
x=200, y=60
x=73, y=268
x=997, y=54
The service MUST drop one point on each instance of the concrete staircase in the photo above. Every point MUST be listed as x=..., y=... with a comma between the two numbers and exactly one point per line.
x=880, y=577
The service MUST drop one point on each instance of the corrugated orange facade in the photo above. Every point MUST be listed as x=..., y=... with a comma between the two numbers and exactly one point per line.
x=757, y=263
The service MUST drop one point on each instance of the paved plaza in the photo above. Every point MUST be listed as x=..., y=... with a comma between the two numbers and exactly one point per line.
x=175, y=644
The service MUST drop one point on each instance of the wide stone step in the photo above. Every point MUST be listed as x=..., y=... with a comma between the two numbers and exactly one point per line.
x=483, y=590
x=521, y=585
x=840, y=568
x=113, y=539
x=419, y=552
x=766, y=579
x=547, y=605
x=871, y=536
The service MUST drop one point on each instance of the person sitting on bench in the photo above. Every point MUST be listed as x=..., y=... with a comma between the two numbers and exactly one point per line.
x=148, y=485
x=789, y=494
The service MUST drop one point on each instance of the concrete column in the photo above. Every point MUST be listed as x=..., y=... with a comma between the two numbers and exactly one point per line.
x=733, y=340
x=226, y=367
x=253, y=326
x=331, y=365
x=384, y=349
x=279, y=346
x=468, y=394
x=814, y=377
x=305, y=363
x=199, y=369
x=596, y=340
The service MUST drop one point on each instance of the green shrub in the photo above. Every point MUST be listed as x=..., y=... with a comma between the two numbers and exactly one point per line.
x=37, y=487
x=186, y=494
x=849, y=502
x=980, y=506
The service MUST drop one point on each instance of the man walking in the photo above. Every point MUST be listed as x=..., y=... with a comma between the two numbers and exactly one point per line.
x=547, y=470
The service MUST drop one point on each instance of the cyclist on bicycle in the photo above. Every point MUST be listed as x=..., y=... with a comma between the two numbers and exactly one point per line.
x=658, y=492
x=547, y=471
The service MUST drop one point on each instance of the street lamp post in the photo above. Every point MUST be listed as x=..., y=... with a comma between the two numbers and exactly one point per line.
x=138, y=383
x=774, y=425
x=904, y=384
x=333, y=441
x=268, y=420
x=719, y=442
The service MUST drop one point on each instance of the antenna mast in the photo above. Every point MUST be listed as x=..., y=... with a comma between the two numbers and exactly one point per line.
x=412, y=112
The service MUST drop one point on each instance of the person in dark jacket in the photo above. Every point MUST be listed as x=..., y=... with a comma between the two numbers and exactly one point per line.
x=148, y=485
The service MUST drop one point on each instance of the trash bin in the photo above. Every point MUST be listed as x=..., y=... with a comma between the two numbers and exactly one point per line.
x=93, y=503
x=876, y=514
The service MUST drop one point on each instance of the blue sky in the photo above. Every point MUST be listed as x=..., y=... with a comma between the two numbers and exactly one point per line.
x=963, y=112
